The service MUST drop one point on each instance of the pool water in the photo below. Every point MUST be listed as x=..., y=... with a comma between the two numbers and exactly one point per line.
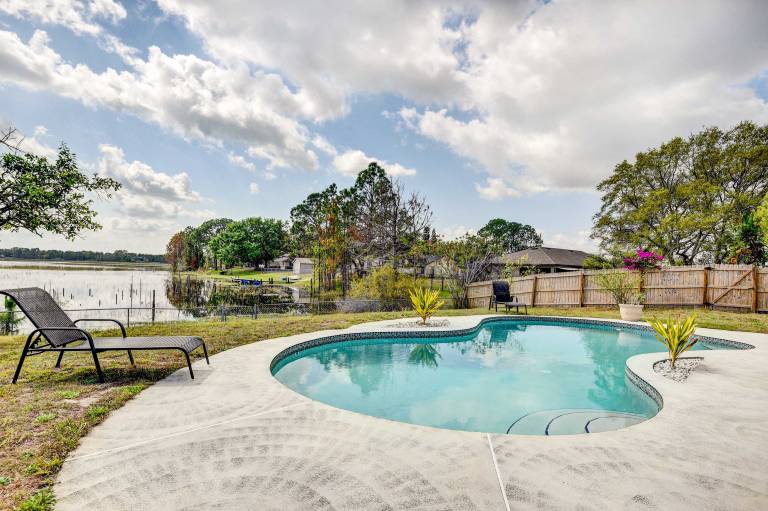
x=518, y=377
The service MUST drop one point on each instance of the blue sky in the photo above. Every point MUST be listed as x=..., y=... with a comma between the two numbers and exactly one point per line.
x=514, y=111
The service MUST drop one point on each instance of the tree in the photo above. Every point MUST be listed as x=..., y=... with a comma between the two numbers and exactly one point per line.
x=198, y=239
x=174, y=251
x=249, y=241
x=464, y=261
x=511, y=236
x=39, y=195
x=761, y=218
x=750, y=245
x=685, y=197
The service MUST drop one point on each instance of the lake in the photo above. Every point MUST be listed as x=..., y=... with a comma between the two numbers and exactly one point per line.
x=126, y=291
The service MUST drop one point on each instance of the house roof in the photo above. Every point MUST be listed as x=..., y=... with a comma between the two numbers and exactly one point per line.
x=303, y=260
x=547, y=256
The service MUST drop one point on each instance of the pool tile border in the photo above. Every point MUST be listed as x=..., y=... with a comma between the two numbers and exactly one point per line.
x=404, y=334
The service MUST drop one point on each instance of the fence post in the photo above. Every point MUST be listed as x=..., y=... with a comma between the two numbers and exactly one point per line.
x=129, y=317
x=533, y=290
x=153, y=306
x=223, y=313
x=581, y=288
x=754, y=288
x=706, y=287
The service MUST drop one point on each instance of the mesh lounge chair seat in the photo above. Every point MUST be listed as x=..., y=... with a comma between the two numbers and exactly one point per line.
x=55, y=331
x=183, y=343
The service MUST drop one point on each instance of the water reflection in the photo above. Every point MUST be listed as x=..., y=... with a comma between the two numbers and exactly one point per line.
x=424, y=355
x=187, y=292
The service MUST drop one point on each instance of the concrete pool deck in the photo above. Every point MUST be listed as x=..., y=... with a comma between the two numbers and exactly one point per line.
x=236, y=438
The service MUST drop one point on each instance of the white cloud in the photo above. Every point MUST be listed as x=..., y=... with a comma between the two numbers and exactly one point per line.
x=543, y=96
x=241, y=162
x=454, y=231
x=253, y=188
x=192, y=97
x=334, y=48
x=141, y=179
x=575, y=241
x=495, y=189
x=77, y=15
x=141, y=216
x=563, y=95
x=351, y=162
x=36, y=144
x=148, y=195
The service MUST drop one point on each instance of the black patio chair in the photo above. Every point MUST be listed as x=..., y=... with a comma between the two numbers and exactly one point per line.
x=55, y=331
x=501, y=296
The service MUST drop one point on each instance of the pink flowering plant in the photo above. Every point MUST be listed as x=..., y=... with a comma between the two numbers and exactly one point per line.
x=643, y=260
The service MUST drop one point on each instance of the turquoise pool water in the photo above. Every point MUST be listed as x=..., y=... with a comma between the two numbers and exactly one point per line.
x=508, y=376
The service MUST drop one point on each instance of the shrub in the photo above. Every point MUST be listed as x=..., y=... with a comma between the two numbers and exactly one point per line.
x=425, y=302
x=643, y=260
x=383, y=283
x=43, y=500
x=676, y=336
x=623, y=286
x=9, y=320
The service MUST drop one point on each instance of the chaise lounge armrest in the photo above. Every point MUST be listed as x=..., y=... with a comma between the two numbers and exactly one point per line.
x=122, y=328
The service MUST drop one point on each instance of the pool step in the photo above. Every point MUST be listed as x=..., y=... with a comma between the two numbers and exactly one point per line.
x=572, y=421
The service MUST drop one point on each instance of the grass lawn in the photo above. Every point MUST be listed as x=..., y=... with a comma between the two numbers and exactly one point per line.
x=43, y=416
x=248, y=273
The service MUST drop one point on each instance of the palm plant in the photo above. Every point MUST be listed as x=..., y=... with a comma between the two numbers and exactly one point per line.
x=676, y=335
x=8, y=320
x=425, y=302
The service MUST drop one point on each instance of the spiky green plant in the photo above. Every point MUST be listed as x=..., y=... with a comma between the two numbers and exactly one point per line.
x=676, y=335
x=425, y=302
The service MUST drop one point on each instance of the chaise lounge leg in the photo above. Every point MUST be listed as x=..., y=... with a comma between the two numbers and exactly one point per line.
x=130, y=357
x=58, y=360
x=21, y=360
x=98, y=366
x=189, y=364
x=205, y=352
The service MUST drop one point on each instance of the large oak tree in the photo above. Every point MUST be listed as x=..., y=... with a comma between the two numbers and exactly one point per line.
x=687, y=197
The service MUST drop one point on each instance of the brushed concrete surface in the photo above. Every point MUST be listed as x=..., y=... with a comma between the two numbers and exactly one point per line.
x=235, y=438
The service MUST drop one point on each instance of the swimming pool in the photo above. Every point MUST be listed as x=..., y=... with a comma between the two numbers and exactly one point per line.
x=535, y=376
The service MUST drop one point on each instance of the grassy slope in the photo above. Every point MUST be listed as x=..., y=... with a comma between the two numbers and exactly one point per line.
x=43, y=417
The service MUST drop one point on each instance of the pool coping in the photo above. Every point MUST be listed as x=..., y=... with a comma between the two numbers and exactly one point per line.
x=235, y=421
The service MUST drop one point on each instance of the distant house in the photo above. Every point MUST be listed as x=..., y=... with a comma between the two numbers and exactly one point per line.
x=284, y=262
x=433, y=267
x=303, y=265
x=545, y=259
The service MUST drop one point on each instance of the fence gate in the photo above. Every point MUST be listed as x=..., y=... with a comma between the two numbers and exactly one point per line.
x=733, y=285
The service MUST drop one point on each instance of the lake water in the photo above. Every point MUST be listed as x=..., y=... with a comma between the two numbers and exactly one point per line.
x=110, y=290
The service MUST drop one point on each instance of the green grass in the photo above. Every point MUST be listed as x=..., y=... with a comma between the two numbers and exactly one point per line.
x=43, y=417
x=247, y=273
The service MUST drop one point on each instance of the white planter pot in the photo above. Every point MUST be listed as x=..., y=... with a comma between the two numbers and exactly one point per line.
x=630, y=312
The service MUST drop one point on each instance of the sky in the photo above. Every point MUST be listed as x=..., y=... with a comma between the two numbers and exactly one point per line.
x=488, y=108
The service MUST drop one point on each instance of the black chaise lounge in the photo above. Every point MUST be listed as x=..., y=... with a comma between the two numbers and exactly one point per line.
x=501, y=296
x=55, y=331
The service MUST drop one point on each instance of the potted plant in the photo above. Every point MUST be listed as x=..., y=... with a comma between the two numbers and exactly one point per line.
x=623, y=287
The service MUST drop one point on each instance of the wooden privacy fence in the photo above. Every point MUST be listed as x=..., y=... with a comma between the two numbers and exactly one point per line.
x=721, y=285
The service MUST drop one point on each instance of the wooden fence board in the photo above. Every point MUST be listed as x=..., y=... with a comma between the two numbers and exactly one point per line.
x=722, y=285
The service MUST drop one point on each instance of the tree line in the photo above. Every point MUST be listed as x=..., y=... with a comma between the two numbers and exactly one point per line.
x=348, y=232
x=118, y=256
